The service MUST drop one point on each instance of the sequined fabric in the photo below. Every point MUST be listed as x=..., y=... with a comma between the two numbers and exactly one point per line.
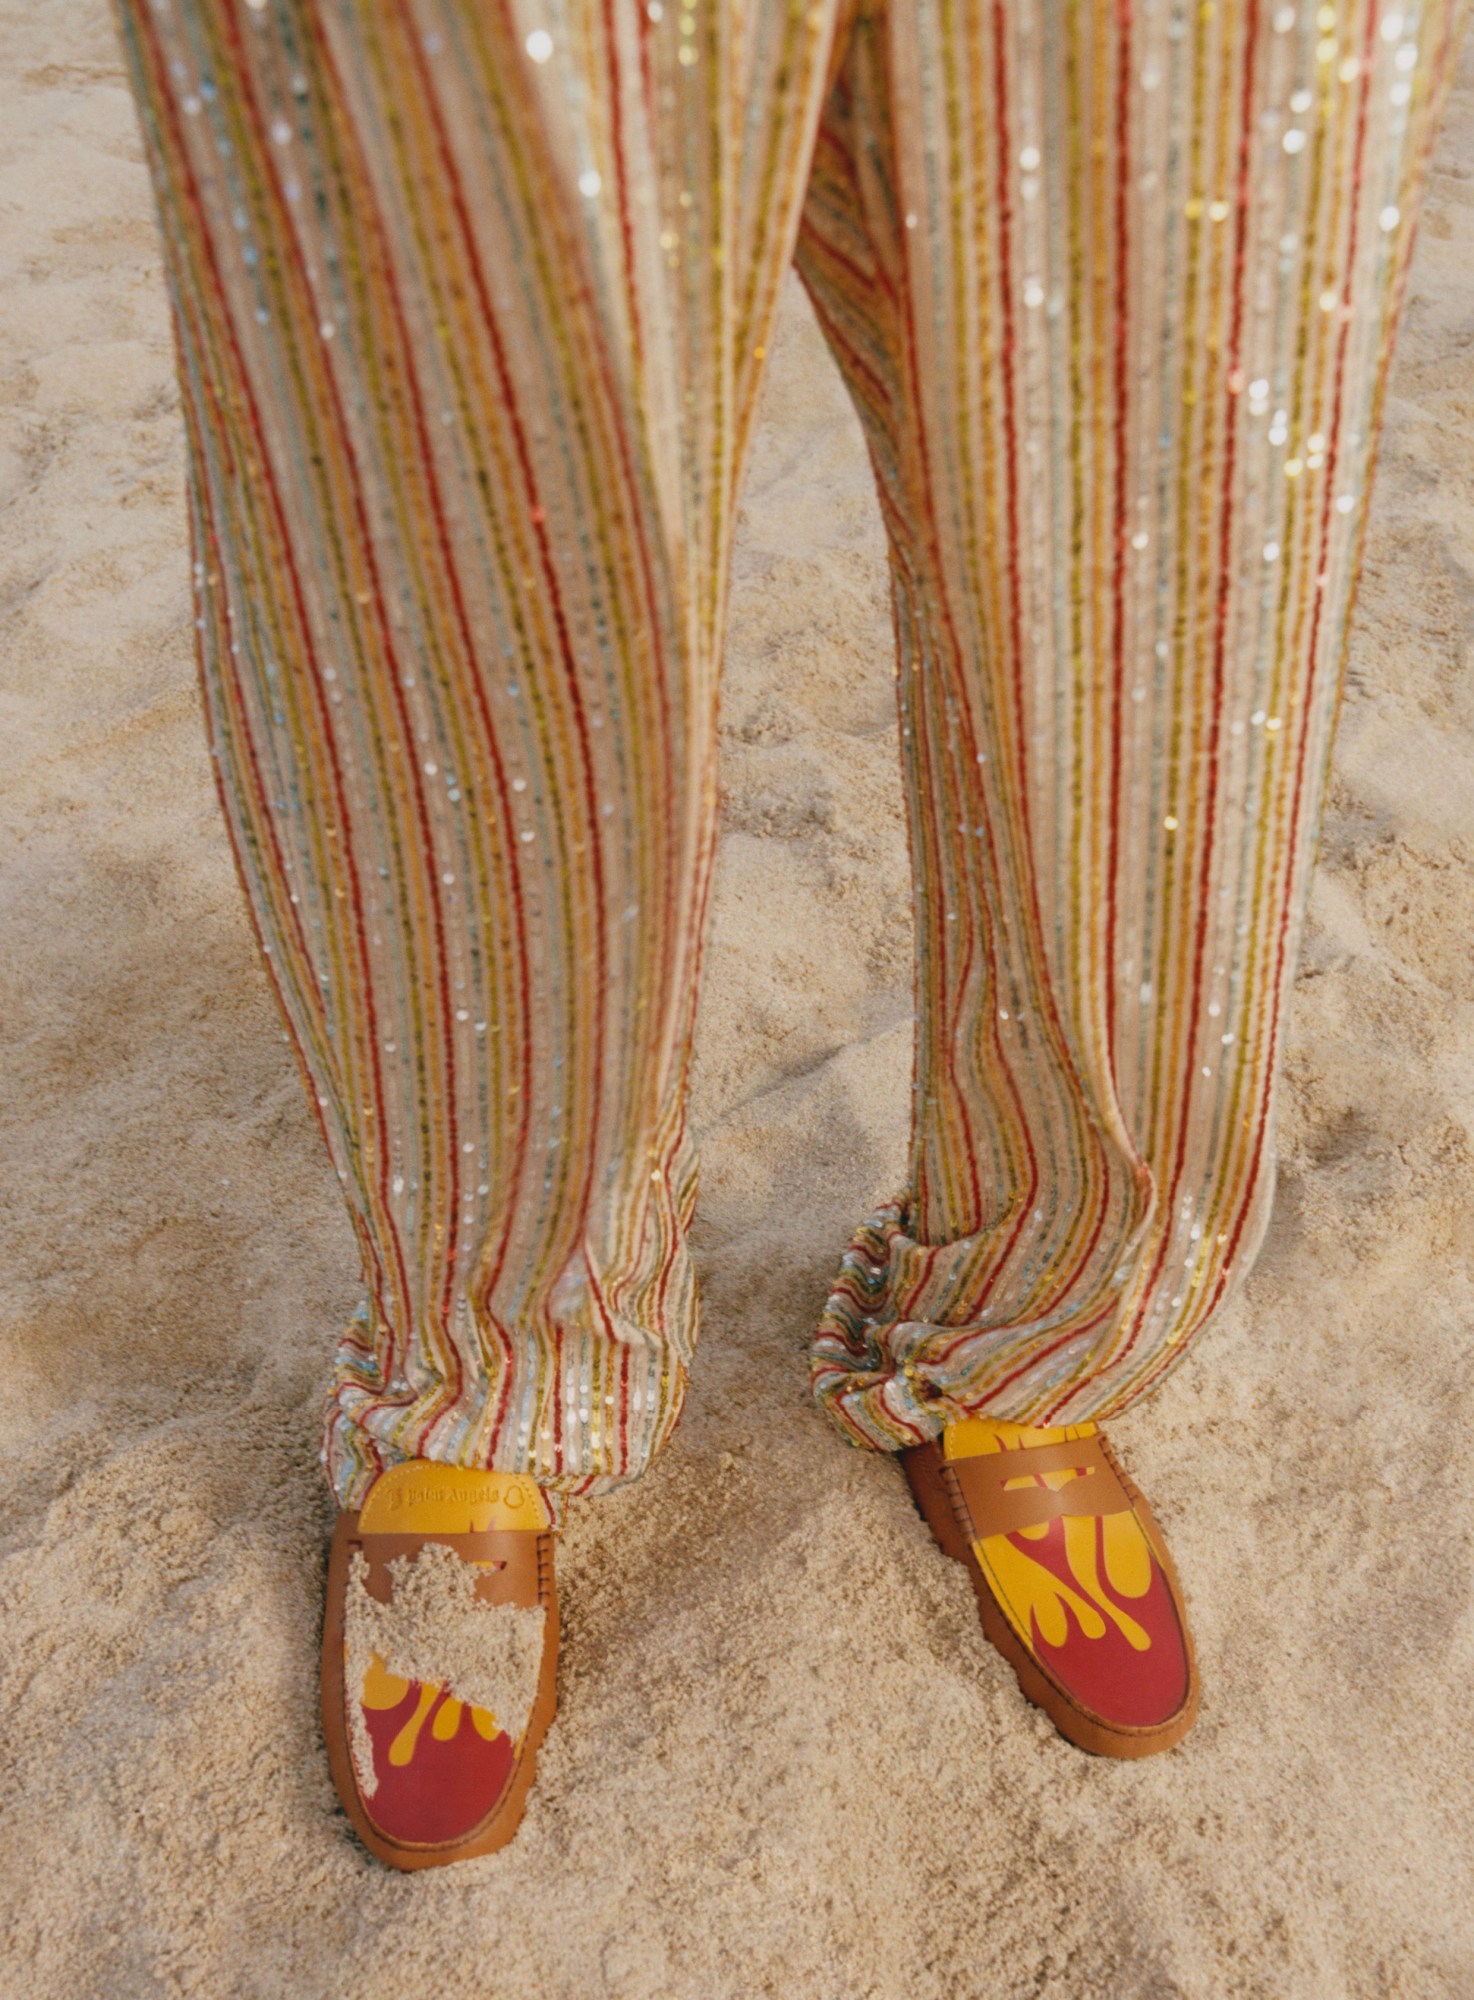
x=472, y=302
x=1114, y=289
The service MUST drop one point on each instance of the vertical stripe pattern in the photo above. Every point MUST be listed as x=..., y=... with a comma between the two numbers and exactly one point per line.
x=1114, y=287
x=472, y=303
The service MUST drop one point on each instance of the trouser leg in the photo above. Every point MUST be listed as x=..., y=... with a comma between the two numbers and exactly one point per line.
x=471, y=304
x=1114, y=288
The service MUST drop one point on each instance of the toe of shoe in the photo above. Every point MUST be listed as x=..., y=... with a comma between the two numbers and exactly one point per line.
x=440, y=1769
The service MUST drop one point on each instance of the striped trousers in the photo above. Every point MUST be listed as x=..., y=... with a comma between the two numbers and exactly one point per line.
x=472, y=300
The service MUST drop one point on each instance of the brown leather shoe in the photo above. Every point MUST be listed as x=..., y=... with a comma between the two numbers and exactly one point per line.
x=1073, y=1580
x=439, y=1660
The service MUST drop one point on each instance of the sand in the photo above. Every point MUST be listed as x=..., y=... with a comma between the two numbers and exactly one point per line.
x=785, y=1764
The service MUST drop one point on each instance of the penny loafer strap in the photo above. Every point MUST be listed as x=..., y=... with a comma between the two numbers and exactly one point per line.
x=989, y=1506
x=507, y=1559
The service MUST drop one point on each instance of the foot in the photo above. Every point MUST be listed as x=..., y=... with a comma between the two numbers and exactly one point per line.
x=439, y=1660
x=1073, y=1580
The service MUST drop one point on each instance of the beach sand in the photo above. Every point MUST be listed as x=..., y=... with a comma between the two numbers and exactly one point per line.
x=786, y=1764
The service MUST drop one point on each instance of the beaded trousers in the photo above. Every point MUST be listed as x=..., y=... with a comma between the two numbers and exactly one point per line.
x=472, y=298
